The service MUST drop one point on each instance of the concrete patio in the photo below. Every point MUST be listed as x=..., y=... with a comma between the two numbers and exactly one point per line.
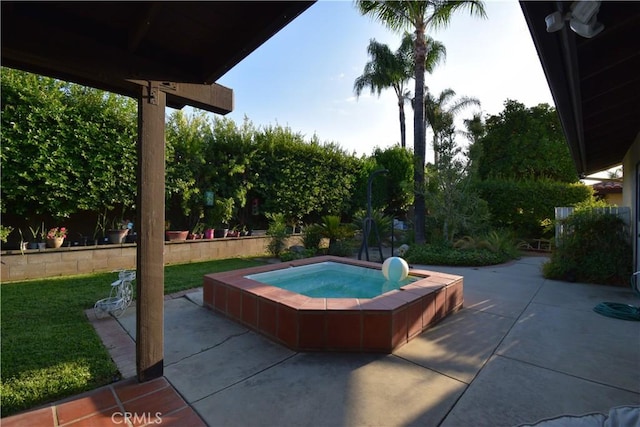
x=523, y=349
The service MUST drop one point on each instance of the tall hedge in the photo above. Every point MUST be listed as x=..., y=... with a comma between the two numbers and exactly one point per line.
x=65, y=147
x=521, y=205
x=302, y=180
x=525, y=143
x=68, y=148
x=595, y=248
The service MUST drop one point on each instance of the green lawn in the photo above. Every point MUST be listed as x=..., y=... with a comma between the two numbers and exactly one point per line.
x=50, y=350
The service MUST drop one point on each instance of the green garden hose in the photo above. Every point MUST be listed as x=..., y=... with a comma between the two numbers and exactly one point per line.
x=618, y=310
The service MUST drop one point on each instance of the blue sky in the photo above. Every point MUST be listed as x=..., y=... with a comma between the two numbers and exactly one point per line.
x=303, y=76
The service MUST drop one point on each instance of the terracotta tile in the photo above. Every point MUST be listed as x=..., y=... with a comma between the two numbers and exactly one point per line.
x=439, y=280
x=296, y=301
x=106, y=418
x=39, y=417
x=221, y=276
x=243, y=283
x=259, y=289
x=404, y=296
x=250, y=309
x=315, y=304
x=416, y=289
x=420, y=272
x=451, y=277
x=344, y=330
x=399, y=329
x=454, y=295
x=312, y=330
x=343, y=304
x=414, y=319
x=376, y=331
x=181, y=418
x=276, y=294
x=288, y=326
x=428, y=310
x=159, y=402
x=234, y=303
x=267, y=316
x=220, y=297
x=132, y=389
x=381, y=303
x=207, y=294
x=86, y=405
x=440, y=305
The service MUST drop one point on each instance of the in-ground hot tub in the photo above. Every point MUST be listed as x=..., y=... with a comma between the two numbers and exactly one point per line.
x=379, y=323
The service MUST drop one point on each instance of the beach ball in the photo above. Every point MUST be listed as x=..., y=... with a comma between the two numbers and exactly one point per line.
x=395, y=269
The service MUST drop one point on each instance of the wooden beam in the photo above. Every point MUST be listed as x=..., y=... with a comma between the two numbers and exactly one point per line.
x=150, y=222
x=215, y=98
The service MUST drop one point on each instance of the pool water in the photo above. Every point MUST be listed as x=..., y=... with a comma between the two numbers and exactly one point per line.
x=331, y=280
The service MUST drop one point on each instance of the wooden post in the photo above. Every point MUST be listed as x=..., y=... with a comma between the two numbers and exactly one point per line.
x=150, y=242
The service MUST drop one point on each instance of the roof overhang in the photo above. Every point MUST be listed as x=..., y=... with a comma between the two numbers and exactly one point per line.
x=114, y=45
x=595, y=82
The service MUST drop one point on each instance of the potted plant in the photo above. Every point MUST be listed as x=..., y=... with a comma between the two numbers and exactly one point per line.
x=174, y=235
x=197, y=231
x=56, y=236
x=209, y=232
x=119, y=230
x=222, y=214
x=233, y=232
x=38, y=237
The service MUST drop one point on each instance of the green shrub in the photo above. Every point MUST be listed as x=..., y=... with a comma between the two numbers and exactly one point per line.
x=312, y=237
x=334, y=230
x=595, y=248
x=441, y=254
x=4, y=233
x=277, y=232
x=522, y=205
x=500, y=242
x=290, y=256
x=342, y=248
x=383, y=224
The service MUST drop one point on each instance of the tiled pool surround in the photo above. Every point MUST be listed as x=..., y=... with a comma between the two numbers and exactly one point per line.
x=302, y=323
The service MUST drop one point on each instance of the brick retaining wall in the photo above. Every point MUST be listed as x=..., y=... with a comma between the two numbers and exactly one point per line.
x=65, y=261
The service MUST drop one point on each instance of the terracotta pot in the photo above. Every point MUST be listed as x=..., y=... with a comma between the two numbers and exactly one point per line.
x=176, y=235
x=56, y=242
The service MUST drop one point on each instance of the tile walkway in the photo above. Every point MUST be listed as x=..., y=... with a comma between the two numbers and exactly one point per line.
x=125, y=403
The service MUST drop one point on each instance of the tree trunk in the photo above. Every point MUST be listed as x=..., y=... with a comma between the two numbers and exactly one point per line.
x=419, y=143
x=403, y=126
x=436, y=151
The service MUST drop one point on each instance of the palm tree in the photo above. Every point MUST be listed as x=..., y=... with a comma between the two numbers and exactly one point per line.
x=394, y=70
x=418, y=16
x=439, y=114
x=475, y=130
